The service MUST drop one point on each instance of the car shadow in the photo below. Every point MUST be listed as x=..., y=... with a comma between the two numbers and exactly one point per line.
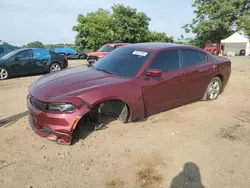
x=86, y=128
x=189, y=177
x=12, y=119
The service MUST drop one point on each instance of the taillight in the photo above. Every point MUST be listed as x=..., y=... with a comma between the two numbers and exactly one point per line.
x=65, y=57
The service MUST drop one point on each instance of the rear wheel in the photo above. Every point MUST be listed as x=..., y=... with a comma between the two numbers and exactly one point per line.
x=54, y=67
x=4, y=74
x=213, y=90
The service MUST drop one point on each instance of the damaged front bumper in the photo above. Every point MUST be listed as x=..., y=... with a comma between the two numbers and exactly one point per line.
x=57, y=127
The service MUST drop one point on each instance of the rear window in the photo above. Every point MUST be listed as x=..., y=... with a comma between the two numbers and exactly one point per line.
x=193, y=57
x=1, y=50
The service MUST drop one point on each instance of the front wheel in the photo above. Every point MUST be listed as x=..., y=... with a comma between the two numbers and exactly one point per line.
x=213, y=90
x=4, y=74
x=54, y=67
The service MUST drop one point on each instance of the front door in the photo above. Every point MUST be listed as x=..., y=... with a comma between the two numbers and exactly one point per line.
x=23, y=63
x=167, y=91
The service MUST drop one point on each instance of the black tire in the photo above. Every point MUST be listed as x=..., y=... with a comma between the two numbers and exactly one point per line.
x=4, y=73
x=212, y=92
x=54, y=67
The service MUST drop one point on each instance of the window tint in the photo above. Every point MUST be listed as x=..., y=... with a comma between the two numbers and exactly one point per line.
x=192, y=58
x=166, y=61
x=124, y=61
x=1, y=50
x=203, y=57
x=25, y=54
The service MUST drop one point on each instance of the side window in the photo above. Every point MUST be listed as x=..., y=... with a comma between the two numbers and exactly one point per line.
x=203, y=57
x=193, y=57
x=25, y=54
x=1, y=50
x=166, y=61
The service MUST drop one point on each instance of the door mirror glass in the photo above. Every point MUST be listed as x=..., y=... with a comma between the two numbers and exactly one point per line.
x=154, y=72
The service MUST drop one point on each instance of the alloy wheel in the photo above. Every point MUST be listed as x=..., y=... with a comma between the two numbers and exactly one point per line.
x=3, y=74
x=214, y=90
x=55, y=67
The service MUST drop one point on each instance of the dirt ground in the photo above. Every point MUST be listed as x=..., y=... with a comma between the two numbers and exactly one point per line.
x=204, y=144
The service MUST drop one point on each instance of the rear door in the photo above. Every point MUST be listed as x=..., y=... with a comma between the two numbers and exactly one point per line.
x=42, y=59
x=23, y=63
x=167, y=91
x=198, y=73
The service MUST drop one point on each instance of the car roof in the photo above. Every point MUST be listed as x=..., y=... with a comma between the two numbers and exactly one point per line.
x=154, y=46
x=117, y=44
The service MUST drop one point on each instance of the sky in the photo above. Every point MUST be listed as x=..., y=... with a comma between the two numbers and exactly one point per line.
x=51, y=21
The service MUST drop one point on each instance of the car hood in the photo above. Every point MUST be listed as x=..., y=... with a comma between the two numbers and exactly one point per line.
x=100, y=54
x=71, y=82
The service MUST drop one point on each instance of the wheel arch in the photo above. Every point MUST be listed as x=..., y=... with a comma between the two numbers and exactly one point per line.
x=115, y=100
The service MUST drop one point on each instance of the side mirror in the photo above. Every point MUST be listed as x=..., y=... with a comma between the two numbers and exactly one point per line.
x=154, y=73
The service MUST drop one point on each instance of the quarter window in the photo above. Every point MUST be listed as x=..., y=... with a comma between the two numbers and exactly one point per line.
x=192, y=58
x=166, y=61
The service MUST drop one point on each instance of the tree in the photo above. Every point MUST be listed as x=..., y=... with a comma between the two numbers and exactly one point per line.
x=159, y=37
x=129, y=25
x=124, y=24
x=94, y=29
x=35, y=44
x=217, y=19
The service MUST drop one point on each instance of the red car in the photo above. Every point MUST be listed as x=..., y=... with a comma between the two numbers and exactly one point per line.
x=104, y=50
x=130, y=83
x=212, y=48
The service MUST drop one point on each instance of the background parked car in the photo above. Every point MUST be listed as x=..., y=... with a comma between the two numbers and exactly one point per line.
x=104, y=50
x=4, y=49
x=212, y=48
x=71, y=53
x=30, y=61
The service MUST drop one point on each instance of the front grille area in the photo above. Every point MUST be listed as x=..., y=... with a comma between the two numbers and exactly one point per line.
x=92, y=58
x=39, y=104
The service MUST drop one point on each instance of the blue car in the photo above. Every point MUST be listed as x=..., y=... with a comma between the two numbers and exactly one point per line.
x=71, y=53
x=4, y=49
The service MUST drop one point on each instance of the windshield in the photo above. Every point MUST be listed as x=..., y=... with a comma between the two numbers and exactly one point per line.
x=106, y=48
x=9, y=55
x=124, y=61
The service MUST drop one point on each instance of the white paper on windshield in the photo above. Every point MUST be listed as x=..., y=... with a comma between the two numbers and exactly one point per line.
x=140, y=53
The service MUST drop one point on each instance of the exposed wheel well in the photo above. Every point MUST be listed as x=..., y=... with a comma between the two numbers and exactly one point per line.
x=115, y=107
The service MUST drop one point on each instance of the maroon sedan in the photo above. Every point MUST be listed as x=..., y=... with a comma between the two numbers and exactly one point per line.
x=130, y=83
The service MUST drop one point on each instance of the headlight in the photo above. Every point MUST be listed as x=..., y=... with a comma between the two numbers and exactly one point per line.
x=61, y=107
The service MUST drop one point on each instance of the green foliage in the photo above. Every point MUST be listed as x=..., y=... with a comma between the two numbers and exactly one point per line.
x=124, y=24
x=217, y=19
x=159, y=37
x=35, y=44
x=185, y=41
